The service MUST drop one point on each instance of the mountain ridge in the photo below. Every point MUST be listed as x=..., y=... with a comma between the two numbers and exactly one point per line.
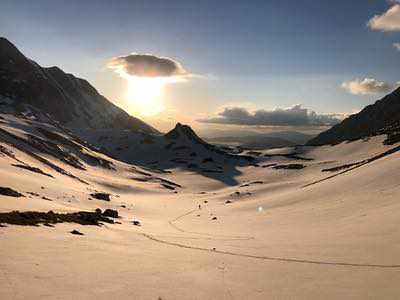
x=374, y=119
x=70, y=100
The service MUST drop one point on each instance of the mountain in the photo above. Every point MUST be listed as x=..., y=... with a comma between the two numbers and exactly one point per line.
x=295, y=137
x=179, y=147
x=184, y=132
x=374, y=119
x=260, y=140
x=253, y=142
x=53, y=95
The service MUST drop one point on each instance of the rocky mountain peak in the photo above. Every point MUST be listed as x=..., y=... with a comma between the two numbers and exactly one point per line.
x=182, y=131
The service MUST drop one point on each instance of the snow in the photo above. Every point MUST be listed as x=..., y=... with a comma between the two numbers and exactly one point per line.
x=336, y=239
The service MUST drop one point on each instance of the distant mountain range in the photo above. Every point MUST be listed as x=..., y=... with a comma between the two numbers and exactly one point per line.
x=263, y=140
x=51, y=94
x=254, y=142
x=381, y=117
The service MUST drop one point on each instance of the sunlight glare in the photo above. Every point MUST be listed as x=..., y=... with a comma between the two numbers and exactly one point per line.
x=144, y=95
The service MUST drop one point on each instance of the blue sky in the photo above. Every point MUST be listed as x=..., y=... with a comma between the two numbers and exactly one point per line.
x=255, y=54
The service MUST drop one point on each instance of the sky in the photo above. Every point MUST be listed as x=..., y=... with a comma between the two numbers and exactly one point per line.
x=246, y=63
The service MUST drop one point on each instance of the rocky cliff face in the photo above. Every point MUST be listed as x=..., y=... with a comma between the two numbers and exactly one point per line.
x=374, y=119
x=49, y=92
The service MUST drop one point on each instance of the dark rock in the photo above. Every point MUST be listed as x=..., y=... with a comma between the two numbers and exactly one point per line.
x=34, y=218
x=136, y=223
x=101, y=196
x=289, y=167
x=254, y=153
x=169, y=182
x=6, y=191
x=268, y=165
x=168, y=187
x=110, y=213
x=343, y=167
x=212, y=171
x=32, y=169
x=214, y=218
x=33, y=194
x=76, y=232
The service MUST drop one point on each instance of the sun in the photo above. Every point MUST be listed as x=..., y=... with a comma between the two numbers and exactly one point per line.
x=145, y=95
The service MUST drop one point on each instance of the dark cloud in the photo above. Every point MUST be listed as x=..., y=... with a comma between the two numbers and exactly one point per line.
x=293, y=116
x=146, y=65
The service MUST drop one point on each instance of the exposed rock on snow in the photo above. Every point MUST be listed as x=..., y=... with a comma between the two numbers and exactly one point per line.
x=289, y=167
x=34, y=218
x=101, y=196
x=6, y=191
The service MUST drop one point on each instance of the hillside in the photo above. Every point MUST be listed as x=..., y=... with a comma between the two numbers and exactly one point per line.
x=50, y=94
x=372, y=120
x=296, y=215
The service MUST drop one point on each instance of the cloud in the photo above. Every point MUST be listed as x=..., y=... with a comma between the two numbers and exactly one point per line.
x=389, y=21
x=293, y=116
x=147, y=65
x=366, y=86
x=396, y=46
